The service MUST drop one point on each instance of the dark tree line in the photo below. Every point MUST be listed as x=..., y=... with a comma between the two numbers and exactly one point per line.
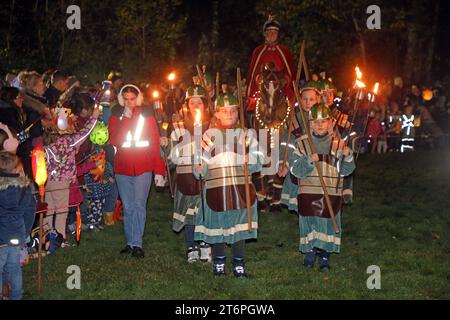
x=145, y=39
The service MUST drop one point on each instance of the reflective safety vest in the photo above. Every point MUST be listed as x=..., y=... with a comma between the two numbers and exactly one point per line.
x=136, y=140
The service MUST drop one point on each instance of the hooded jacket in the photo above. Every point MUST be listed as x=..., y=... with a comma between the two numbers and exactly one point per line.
x=17, y=209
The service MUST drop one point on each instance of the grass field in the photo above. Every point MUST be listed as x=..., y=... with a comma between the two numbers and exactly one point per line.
x=399, y=221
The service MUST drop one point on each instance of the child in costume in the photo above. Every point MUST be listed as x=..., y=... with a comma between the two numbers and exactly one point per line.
x=187, y=188
x=222, y=218
x=61, y=169
x=317, y=235
x=99, y=181
x=310, y=94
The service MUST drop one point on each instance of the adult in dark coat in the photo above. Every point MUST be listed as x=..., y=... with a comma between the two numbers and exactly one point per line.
x=18, y=118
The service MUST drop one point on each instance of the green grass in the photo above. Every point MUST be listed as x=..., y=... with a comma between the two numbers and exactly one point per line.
x=400, y=221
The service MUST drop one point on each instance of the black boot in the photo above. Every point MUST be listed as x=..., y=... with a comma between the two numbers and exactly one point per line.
x=324, y=261
x=263, y=206
x=275, y=208
x=239, y=268
x=219, y=266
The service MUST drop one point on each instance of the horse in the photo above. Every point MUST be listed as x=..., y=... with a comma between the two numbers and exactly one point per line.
x=271, y=113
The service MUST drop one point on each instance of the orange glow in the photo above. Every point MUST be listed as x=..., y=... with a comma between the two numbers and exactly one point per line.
x=375, y=88
x=358, y=73
x=171, y=76
x=39, y=168
x=360, y=84
x=155, y=94
x=198, y=117
x=165, y=125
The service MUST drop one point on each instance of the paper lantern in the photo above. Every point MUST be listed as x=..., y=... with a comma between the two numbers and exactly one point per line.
x=427, y=94
x=99, y=134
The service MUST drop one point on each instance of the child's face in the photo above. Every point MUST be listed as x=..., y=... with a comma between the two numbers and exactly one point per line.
x=227, y=116
x=321, y=126
x=86, y=113
x=409, y=110
x=309, y=98
x=195, y=103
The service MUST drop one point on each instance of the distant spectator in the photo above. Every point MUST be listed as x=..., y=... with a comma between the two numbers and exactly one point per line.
x=32, y=86
x=16, y=117
x=398, y=93
x=394, y=126
x=59, y=84
x=374, y=129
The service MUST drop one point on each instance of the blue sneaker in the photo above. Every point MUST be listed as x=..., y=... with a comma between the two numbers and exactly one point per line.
x=51, y=241
x=310, y=258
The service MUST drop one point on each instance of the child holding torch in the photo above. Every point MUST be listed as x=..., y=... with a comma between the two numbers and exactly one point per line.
x=187, y=188
x=223, y=217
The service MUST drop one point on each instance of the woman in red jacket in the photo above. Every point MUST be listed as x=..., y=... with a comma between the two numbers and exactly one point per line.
x=134, y=133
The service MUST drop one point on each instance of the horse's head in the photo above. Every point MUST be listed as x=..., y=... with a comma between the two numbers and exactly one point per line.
x=271, y=85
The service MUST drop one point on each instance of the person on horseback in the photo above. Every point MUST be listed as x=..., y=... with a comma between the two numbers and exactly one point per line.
x=270, y=51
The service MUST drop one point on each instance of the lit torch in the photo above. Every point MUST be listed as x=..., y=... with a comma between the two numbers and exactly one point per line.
x=171, y=78
x=371, y=97
x=374, y=92
x=197, y=136
x=198, y=152
x=156, y=98
x=359, y=85
x=39, y=168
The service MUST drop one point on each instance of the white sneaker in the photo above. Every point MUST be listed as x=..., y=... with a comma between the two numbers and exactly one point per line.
x=205, y=252
x=193, y=255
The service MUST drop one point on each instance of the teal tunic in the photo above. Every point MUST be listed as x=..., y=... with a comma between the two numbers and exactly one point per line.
x=227, y=226
x=315, y=227
x=187, y=192
x=290, y=189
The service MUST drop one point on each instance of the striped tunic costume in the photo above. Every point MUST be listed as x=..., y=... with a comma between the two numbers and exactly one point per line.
x=315, y=224
x=225, y=212
x=187, y=188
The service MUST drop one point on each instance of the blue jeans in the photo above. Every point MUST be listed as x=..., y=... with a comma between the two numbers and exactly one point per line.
x=134, y=192
x=10, y=266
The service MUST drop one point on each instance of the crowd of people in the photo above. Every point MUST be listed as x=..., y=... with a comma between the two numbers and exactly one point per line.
x=105, y=146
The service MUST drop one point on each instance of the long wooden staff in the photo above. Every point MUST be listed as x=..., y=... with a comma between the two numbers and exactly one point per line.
x=291, y=116
x=217, y=85
x=318, y=168
x=203, y=83
x=246, y=175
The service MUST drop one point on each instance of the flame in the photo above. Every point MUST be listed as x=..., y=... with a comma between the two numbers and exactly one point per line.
x=165, y=125
x=171, y=76
x=155, y=94
x=360, y=84
x=358, y=73
x=39, y=167
x=375, y=88
x=198, y=116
